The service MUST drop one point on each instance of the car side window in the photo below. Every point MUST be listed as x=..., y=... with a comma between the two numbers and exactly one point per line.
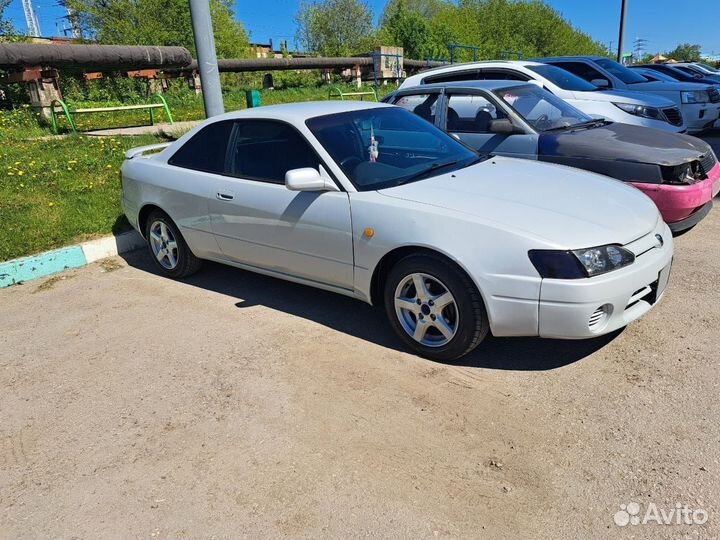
x=424, y=105
x=265, y=150
x=471, y=114
x=205, y=151
x=582, y=70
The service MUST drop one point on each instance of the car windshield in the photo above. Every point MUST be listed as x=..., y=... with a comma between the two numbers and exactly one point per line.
x=387, y=147
x=654, y=75
x=708, y=68
x=620, y=71
x=563, y=79
x=541, y=109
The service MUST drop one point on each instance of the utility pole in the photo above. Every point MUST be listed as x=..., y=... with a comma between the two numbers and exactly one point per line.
x=207, y=57
x=623, y=11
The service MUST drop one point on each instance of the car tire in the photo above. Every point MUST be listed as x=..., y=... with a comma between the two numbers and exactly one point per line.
x=168, y=248
x=430, y=323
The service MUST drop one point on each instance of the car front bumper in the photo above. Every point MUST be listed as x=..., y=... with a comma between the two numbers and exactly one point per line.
x=700, y=117
x=586, y=308
x=678, y=204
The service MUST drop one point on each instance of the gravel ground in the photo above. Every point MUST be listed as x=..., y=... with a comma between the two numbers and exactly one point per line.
x=235, y=405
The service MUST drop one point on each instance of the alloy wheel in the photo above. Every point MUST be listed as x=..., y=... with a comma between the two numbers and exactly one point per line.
x=426, y=309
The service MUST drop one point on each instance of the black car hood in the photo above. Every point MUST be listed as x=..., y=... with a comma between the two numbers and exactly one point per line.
x=621, y=142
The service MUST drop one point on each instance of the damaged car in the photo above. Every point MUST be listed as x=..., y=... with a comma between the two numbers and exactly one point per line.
x=678, y=172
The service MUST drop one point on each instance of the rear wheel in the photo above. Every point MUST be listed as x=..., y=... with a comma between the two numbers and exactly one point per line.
x=434, y=307
x=168, y=248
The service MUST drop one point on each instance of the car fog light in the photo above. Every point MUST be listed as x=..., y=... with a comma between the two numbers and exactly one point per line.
x=599, y=318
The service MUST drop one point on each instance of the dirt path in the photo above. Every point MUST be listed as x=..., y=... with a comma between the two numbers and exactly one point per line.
x=236, y=405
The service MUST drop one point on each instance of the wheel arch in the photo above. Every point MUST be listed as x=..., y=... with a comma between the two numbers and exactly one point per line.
x=392, y=257
x=144, y=214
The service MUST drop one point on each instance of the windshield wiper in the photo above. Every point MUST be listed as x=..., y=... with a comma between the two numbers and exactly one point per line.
x=586, y=124
x=432, y=168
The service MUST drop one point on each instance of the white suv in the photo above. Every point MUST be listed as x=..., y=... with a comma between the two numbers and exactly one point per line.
x=626, y=107
x=700, y=104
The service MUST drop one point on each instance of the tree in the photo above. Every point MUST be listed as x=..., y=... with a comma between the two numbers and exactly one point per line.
x=335, y=27
x=408, y=28
x=159, y=22
x=427, y=9
x=6, y=26
x=532, y=28
x=685, y=52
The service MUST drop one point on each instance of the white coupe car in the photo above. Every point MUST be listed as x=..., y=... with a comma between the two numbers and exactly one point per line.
x=372, y=201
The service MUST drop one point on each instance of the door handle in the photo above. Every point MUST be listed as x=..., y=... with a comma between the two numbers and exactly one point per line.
x=224, y=196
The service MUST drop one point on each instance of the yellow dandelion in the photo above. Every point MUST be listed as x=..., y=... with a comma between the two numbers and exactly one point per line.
x=51, y=204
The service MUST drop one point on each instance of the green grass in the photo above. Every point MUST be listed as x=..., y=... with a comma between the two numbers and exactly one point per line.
x=62, y=190
x=53, y=193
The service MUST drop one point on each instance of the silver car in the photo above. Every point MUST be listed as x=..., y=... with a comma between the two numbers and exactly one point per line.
x=371, y=201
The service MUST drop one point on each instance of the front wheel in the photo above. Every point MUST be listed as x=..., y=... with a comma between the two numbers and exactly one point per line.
x=435, y=308
x=168, y=248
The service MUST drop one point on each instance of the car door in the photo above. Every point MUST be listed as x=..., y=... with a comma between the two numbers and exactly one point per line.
x=259, y=222
x=469, y=115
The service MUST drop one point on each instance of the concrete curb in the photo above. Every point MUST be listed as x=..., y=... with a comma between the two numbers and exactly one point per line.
x=51, y=262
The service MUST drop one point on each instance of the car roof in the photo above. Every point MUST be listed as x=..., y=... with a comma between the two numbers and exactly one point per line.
x=484, y=85
x=301, y=111
x=479, y=63
x=570, y=58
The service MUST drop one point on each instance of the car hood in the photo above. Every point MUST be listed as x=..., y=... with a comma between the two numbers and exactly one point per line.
x=625, y=96
x=563, y=207
x=623, y=142
x=657, y=86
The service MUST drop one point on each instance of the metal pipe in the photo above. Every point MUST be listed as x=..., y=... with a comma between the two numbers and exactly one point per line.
x=623, y=12
x=94, y=57
x=279, y=64
x=207, y=58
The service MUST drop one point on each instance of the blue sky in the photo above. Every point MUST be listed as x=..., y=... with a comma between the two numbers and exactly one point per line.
x=664, y=23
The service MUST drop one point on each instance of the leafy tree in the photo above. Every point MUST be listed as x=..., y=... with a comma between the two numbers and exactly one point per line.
x=6, y=26
x=425, y=28
x=159, y=22
x=685, y=52
x=427, y=9
x=409, y=28
x=335, y=27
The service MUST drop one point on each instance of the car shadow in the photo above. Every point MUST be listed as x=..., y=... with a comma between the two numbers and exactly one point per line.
x=358, y=319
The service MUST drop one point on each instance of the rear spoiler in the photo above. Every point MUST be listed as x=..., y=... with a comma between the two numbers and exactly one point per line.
x=142, y=150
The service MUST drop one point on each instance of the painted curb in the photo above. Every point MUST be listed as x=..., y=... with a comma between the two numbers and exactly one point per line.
x=51, y=262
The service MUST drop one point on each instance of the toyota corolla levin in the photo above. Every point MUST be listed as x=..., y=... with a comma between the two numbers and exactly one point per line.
x=679, y=172
x=371, y=201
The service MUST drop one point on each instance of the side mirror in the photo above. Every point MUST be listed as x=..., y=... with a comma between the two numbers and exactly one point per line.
x=600, y=83
x=308, y=179
x=503, y=126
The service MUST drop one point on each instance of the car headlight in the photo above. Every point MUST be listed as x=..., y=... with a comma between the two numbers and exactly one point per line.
x=685, y=174
x=580, y=263
x=695, y=96
x=642, y=110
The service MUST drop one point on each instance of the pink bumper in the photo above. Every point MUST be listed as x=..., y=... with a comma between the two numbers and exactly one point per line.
x=679, y=202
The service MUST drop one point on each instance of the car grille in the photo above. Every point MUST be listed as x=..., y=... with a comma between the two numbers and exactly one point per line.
x=707, y=162
x=673, y=115
x=714, y=95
